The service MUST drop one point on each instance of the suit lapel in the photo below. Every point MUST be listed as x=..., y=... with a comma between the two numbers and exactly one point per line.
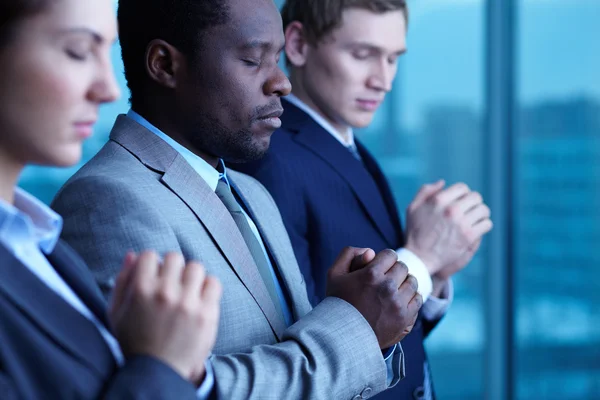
x=272, y=241
x=386, y=192
x=186, y=184
x=75, y=273
x=312, y=136
x=53, y=315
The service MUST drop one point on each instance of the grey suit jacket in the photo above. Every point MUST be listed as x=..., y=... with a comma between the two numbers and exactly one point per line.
x=138, y=193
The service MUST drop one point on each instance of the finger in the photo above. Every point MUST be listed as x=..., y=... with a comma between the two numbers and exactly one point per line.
x=425, y=192
x=144, y=278
x=415, y=304
x=383, y=261
x=211, y=291
x=398, y=273
x=193, y=281
x=448, y=196
x=408, y=289
x=342, y=264
x=171, y=273
x=477, y=214
x=481, y=228
x=123, y=279
x=146, y=268
x=465, y=204
x=361, y=260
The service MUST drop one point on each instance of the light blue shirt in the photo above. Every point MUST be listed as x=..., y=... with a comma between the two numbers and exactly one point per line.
x=212, y=176
x=30, y=230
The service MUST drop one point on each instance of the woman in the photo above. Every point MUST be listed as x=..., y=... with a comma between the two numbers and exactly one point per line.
x=55, y=340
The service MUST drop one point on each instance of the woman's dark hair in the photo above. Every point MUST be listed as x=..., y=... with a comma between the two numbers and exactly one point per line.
x=14, y=11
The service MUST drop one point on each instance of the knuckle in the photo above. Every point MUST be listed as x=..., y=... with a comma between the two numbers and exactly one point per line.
x=187, y=309
x=371, y=276
x=141, y=289
x=435, y=201
x=413, y=283
x=402, y=267
x=389, y=253
x=477, y=197
x=463, y=186
x=398, y=307
x=165, y=297
x=388, y=288
x=451, y=212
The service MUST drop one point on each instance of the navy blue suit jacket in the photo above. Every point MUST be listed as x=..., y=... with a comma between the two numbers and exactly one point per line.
x=48, y=350
x=329, y=200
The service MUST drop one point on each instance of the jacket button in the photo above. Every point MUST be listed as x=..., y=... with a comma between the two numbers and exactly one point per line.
x=419, y=393
x=366, y=393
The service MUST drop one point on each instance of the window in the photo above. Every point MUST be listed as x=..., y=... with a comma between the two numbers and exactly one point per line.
x=557, y=187
x=433, y=125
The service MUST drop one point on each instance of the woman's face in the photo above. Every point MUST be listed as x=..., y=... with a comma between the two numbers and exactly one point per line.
x=55, y=71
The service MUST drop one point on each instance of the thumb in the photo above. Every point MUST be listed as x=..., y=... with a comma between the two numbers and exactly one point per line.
x=360, y=261
x=344, y=261
x=425, y=192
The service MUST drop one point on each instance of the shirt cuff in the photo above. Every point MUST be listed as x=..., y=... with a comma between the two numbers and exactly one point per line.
x=394, y=363
x=417, y=268
x=390, y=352
x=205, y=389
x=436, y=307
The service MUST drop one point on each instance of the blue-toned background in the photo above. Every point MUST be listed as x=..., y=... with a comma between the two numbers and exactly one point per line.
x=541, y=267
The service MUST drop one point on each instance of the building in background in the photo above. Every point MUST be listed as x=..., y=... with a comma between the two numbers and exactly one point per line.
x=432, y=126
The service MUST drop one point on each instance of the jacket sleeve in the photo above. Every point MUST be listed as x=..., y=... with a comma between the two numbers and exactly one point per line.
x=144, y=377
x=141, y=378
x=331, y=352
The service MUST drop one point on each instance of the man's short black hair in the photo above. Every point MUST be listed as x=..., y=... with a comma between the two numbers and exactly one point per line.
x=181, y=23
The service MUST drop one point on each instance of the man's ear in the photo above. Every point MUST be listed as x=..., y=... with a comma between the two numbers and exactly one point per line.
x=296, y=44
x=163, y=63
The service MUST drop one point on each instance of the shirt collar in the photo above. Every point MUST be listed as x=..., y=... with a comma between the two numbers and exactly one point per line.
x=206, y=171
x=29, y=219
x=322, y=121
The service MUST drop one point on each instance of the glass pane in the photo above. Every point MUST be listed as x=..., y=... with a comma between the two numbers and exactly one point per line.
x=557, y=189
x=430, y=128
